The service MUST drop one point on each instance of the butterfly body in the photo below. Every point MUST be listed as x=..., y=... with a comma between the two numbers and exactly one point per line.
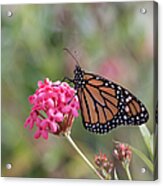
x=105, y=104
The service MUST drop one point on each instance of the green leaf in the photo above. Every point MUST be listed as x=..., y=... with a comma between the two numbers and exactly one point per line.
x=148, y=139
x=144, y=158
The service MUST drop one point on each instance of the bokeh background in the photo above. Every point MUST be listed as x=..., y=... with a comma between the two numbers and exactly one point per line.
x=111, y=39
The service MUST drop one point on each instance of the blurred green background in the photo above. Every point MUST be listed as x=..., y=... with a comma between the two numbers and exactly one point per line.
x=111, y=39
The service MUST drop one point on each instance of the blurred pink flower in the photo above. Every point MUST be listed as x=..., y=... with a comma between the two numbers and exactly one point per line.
x=105, y=166
x=100, y=159
x=54, y=105
x=123, y=153
x=117, y=70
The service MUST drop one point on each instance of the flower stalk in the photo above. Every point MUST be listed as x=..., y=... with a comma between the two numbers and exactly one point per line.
x=126, y=167
x=73, y=144
x=104, y=165
x=123, y=153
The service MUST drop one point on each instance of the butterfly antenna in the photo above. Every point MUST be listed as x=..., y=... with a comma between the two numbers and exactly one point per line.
x=70, y=53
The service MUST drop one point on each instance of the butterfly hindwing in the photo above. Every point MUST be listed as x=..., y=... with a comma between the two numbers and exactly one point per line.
x=106, y=105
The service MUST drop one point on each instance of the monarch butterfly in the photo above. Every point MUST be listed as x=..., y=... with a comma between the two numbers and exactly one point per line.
x=105, y=104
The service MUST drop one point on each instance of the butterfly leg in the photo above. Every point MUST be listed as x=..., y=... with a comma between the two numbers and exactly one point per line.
x=67, y=78
x=71, y=99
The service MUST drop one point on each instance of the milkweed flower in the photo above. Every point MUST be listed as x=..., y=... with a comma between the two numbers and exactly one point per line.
x=123, y=153
x=105, y=166
x=54, y=106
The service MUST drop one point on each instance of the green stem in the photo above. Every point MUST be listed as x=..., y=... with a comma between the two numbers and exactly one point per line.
x=70, y=140
x=126, y=167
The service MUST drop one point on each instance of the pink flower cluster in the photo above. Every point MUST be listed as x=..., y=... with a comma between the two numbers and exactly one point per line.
x=123, y=152
x=104, y=165
x=52, y=104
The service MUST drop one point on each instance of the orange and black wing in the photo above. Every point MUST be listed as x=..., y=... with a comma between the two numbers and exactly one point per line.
x=106, y=105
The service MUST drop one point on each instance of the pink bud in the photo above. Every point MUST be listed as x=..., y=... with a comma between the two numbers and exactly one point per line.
x=37, y=134
x=40, y=84
x=47, y=82
x=32, y=99
x=50, y=103
x=66, y=109
x=53, y=127
x=44, y=134
x=63, y=98
x=58, y=117
x=75, y=112
x=27, y=122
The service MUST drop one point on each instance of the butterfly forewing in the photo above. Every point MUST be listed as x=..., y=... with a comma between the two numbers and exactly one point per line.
x=105, y=105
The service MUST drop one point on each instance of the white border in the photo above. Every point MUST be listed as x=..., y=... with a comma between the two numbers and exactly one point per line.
x=59, y=182
x=61, y=1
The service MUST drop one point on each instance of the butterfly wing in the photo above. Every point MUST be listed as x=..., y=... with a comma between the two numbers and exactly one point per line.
x=106, y=105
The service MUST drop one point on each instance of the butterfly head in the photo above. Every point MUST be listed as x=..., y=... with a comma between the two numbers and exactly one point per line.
x=78, y=76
